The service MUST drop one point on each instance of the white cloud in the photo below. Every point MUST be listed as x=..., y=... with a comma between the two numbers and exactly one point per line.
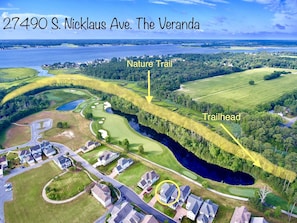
x=284, y=13
x=190, y=2
x=8, y=9
x=30, y=15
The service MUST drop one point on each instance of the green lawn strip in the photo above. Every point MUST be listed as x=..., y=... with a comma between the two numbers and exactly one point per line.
x=108, y=168
x=28, y=205
x=67, y=185
x=275, y=200
x=92, y=155
x=242, y=191
x=234, y=90
x=165, y=209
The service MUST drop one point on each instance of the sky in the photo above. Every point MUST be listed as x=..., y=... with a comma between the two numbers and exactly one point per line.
x=214, y=19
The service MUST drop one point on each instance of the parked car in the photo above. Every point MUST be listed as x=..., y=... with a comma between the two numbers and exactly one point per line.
x=8, y=189
x=7, y=185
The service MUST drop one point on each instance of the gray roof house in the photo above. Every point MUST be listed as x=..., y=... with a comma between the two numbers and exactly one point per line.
x=89, y=145
x=49, y=151
x=203, y=219
x=45, y=145
x=241, y=215
x=23, y=155
x=63, y=162
x=123, y=163
x=124, y=212
x=167, y=191
x=193, y=206
x=35, y=149
x=37, y=157
x=107, y=157
x=3, y=161
x=148, y=179
x=102, y=193
x=209, y=209
x=258, y=220
x=184, y=193
x=1, y=170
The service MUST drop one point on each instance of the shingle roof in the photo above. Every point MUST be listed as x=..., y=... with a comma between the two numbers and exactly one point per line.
x=102, y=191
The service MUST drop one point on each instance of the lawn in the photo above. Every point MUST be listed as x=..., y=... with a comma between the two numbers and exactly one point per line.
x=122, y=131
x=234, y=90
x=61, y=96
x=132, y=175
x=67, y=185
x=92, y=155
x=30, y=206
x=165, y=209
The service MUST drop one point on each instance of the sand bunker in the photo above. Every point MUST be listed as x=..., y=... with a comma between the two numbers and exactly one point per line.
x=68, y=134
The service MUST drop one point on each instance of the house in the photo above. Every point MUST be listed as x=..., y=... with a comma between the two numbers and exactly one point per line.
x=35, y=149
x=193, y=206
x=124, y=212
x=1, y=170
x=241, y=215
x=209, y=209
x=45, y=145
x=3, y=162
x=23, y=155
x=167, y=191
x=102, y=193
x=107, y=157
x=89, y=145
x=37, y=157
x=49, y=151
x=63, y=162
x=203, y=219
x=149, y=219
x=258, y=220
x=148, y=179
x=30, y=160
x=123, y=163
x=184, y=193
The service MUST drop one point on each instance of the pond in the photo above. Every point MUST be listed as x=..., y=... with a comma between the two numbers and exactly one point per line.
x=70, y=105
x=188, y=159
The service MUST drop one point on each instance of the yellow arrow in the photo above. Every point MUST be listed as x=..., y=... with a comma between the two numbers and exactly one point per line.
x=149, y=98
x=256, y=162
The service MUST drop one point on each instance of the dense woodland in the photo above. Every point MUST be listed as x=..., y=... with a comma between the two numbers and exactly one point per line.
x=20, y=107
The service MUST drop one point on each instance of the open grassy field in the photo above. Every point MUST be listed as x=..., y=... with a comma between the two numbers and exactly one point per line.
x=235, y=92
x=28, y=205
x=68, y=185
x=15, y=135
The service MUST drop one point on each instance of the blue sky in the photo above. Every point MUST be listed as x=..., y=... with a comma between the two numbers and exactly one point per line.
x=218, y=19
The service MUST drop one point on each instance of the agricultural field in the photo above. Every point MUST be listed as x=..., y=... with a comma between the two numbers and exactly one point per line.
x=234, y=90
x=30, y=206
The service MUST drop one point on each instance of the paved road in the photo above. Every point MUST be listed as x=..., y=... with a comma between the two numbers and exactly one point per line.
x=126, y=191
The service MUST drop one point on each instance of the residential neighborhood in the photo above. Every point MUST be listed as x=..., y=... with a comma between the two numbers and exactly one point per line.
x=35, y=153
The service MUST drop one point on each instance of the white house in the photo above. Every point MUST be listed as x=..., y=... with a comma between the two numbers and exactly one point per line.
x=193, y=206
x=123, y=163
x=107, y=157
x=102, y=193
